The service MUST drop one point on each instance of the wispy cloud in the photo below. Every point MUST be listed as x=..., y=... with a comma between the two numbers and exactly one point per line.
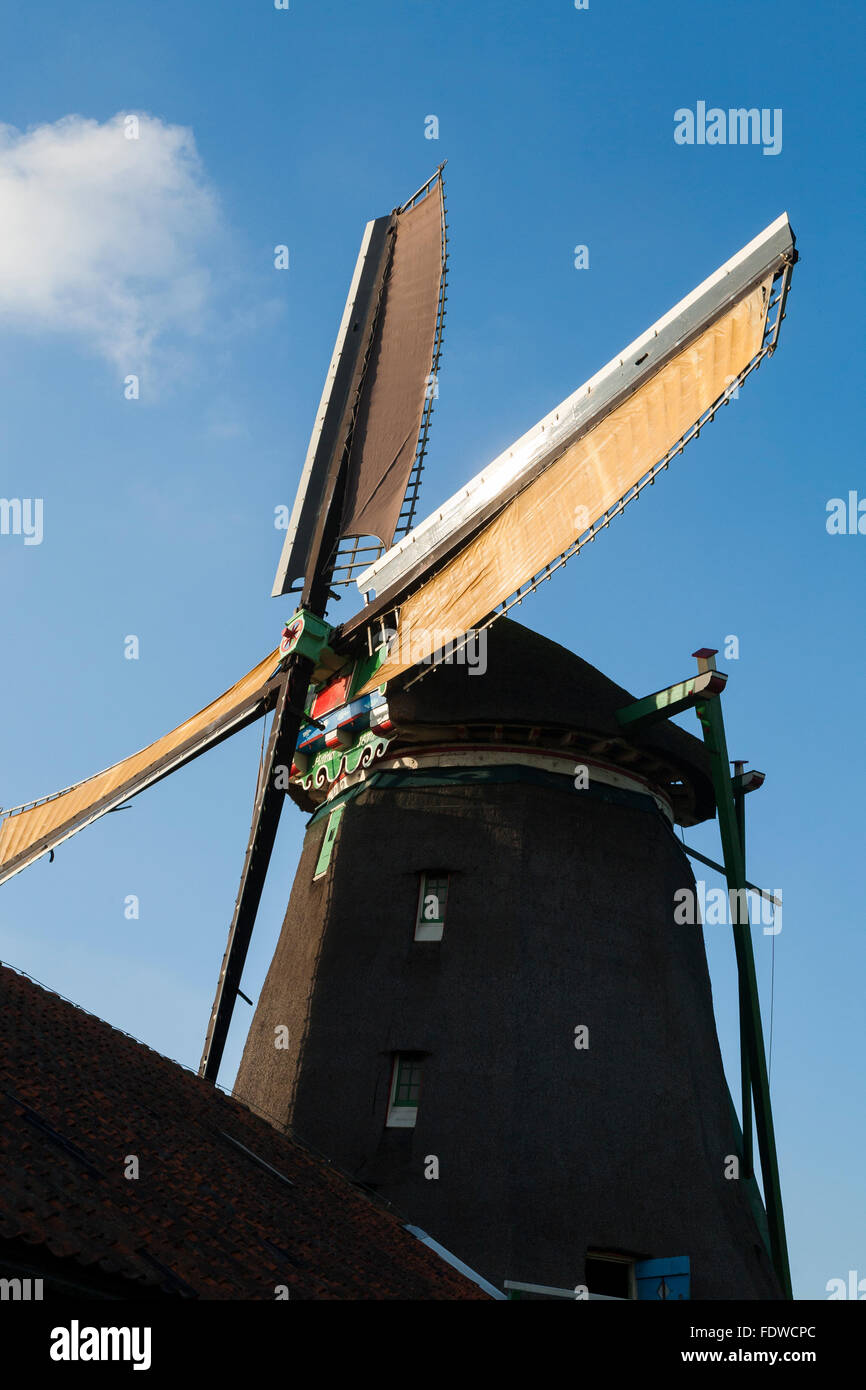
x=105, y=237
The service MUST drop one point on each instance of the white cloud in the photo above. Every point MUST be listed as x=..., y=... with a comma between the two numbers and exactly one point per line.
x=103, y=236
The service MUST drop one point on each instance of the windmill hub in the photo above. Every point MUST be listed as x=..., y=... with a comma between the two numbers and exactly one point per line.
x=537, y=712
x=308, y=635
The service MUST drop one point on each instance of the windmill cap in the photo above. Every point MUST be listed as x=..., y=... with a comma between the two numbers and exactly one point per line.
x=533, y=682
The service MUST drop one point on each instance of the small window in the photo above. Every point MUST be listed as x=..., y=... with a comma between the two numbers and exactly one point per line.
x=610, y=1276
x=405, y=1092
x=432, y=900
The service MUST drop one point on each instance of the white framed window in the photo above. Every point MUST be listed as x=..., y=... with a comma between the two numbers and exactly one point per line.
x=432, y=901
x=405, y=1092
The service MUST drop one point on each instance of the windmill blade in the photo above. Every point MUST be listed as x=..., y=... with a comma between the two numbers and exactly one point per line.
x=769, y=254
x=364, y=447
x=269, y=800
x=581, y=464
x=397, y=385
x=29, y=831
x=362, y=471
x=315, y=494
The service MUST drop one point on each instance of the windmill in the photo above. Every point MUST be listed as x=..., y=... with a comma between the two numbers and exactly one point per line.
x=431, y=588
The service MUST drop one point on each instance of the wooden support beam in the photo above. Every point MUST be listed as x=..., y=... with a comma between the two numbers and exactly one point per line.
x=709, y=713
x=673, y=700
x=263, y=832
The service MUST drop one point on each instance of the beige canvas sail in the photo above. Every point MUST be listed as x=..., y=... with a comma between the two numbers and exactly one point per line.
x=26, y=835
x=590, y=477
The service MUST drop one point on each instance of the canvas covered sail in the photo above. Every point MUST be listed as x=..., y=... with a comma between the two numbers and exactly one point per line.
x=592, y=475
x=32, y=830
x=397, y=381
x=534, y=506
x=361, y=474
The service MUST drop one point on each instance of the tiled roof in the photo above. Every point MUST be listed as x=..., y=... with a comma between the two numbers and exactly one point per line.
x=206, y=1216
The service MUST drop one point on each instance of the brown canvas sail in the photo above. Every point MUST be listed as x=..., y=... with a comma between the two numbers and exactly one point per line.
x=397, y=377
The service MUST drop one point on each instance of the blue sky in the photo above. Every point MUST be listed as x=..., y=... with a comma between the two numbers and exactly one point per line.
x=158, y=513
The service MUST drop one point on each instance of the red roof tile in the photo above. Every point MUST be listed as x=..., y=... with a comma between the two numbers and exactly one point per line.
x=203, y=1218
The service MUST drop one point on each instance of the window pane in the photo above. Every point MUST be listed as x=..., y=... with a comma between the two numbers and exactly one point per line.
x=408, y=1086
x=405, y=1092
x=432, y=899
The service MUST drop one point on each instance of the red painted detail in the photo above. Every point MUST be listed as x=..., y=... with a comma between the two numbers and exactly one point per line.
x=331, y=696
x=291, y=633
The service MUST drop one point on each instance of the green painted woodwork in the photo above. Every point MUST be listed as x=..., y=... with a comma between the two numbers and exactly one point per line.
x=739, y=795
x=720, y=869
x=327, y=846
x=673, y=700
x=366, y=667
x=332, y=763
x=314, y=635
x=701, y=692
x=752, y=1041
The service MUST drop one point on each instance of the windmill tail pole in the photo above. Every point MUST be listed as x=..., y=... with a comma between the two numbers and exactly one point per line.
x=709, y=713
x=263, y=832
x=745, y=1072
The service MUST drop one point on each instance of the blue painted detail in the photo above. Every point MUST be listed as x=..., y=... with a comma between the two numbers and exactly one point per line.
x=357, y=716
x=663, y=1279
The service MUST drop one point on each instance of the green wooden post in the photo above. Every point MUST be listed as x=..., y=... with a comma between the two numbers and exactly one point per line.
x=710, y=715
x=745, y=1073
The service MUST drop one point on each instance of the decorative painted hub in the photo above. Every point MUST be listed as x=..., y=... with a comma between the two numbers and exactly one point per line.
x=307, y=635
x=291, y=635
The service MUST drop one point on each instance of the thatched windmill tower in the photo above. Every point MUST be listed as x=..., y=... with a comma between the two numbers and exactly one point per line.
x=553, y=912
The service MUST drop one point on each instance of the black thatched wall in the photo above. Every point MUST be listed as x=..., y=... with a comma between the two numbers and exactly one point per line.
x=560, y=914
